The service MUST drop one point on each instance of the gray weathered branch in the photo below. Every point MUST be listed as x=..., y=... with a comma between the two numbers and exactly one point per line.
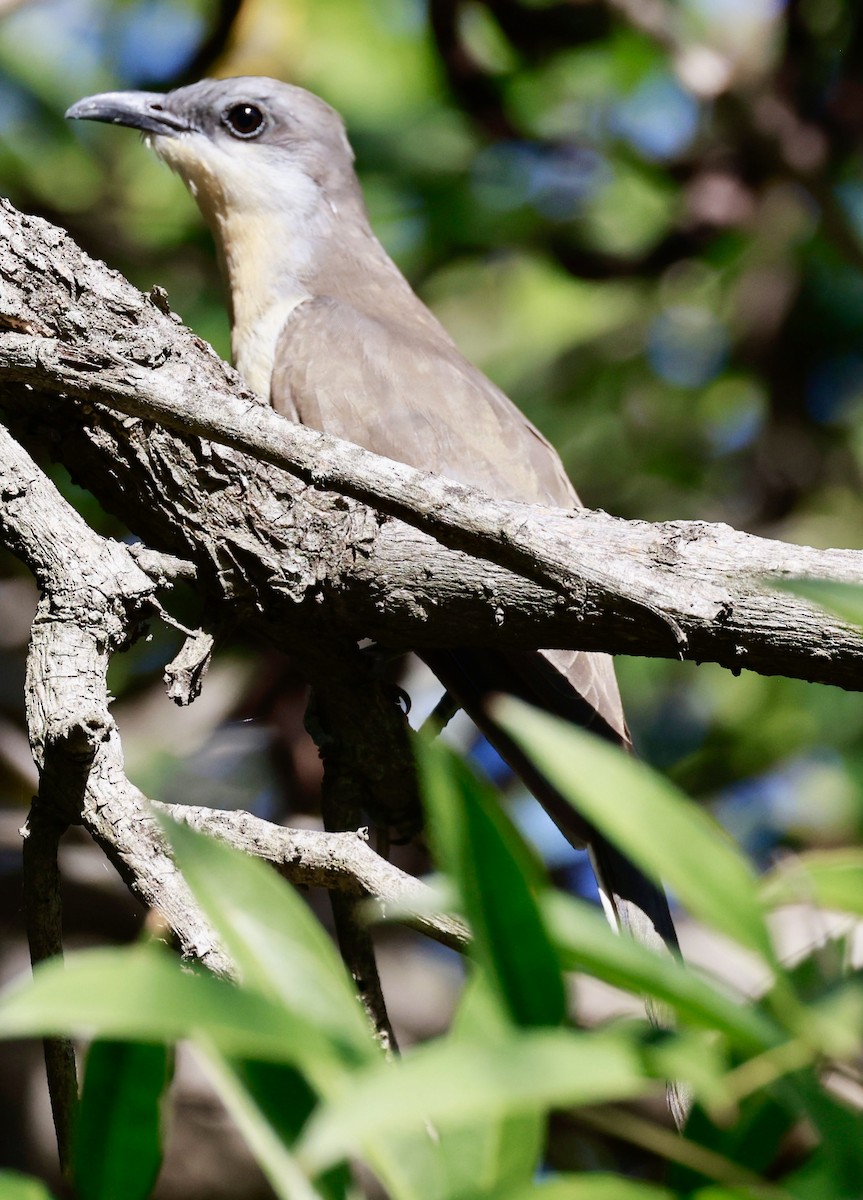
x=93, y=596
x=305, y=566
x=311, y=543
x=337, y=861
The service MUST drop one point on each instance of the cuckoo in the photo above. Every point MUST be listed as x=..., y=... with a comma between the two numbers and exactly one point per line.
x=325, y=327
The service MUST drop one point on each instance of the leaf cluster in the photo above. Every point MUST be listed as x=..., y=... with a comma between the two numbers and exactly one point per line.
x=466, y=1115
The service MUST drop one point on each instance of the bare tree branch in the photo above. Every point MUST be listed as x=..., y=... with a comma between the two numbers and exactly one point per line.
x=313, y=544
x=91, y=603
x=93, y=597
x=305, y=567
x=337, y=861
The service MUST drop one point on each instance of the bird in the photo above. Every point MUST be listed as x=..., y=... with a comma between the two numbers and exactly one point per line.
x=326, y=328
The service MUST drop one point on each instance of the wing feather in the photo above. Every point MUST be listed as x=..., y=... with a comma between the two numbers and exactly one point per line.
x=401, y=388
x=407, y=393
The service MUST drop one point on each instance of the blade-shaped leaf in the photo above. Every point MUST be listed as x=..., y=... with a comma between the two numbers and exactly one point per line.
x=837, y=1164
x=492, y=1152
x=287, y=1178
x=752, y=1139
x=285, y=1100
x=497, y=878
x=144, y=994
x=449, y=1083
x=270, y=1110
x=277, y=943
x=409, y=1165
x=21, y=1187
x=118, y=1129
x=587, y=1187
x=648, y=819
x=588, y=943
x=717, y=1192
x=827, y=878
x=481, y=1158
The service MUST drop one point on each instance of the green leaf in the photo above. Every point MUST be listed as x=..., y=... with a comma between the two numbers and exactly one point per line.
x=22, y=1187
x=752, y=1139
x=717, y=1192
x=587, y=1187
x=827, y=878
x=765, y=1121
x=587, y=943
x=836, y=1167
x=648, y=819
x=143, y=994
x=480, y=1158
x=844, y=600
x=118, y=1129
x=277, y=943
x=497, y=878
x=491, y=1153
x=288, y=1179
x=449, y=1083
x=834, y=1021
x=697, y=1058
x=285, y=1101
x=411, y=1166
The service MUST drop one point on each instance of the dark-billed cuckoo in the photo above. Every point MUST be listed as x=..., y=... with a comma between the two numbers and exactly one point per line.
x=324, y=325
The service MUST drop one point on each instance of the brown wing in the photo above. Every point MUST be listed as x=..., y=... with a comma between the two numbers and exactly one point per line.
x=406, y=392
x=402, y=389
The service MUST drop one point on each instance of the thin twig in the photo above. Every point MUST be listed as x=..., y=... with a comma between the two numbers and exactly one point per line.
x=337, y=861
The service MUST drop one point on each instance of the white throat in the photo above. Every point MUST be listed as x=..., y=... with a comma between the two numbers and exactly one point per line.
x=268, y=225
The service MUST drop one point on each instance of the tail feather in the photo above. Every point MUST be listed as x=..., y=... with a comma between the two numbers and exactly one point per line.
x=631, y=900
x=633, y=903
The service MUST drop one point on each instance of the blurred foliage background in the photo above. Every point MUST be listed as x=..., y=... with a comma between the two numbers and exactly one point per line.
x=643, y=219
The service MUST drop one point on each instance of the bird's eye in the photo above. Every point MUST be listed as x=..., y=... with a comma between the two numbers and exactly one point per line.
x=244, y=120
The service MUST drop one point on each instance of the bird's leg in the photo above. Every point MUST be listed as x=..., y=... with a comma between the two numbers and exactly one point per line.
x=381, y=661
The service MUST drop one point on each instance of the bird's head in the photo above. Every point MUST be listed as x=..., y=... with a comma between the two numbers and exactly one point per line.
x=242, y=146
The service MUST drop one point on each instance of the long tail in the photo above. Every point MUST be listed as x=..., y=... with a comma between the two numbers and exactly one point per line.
x=630, y=899
x=632, y=902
